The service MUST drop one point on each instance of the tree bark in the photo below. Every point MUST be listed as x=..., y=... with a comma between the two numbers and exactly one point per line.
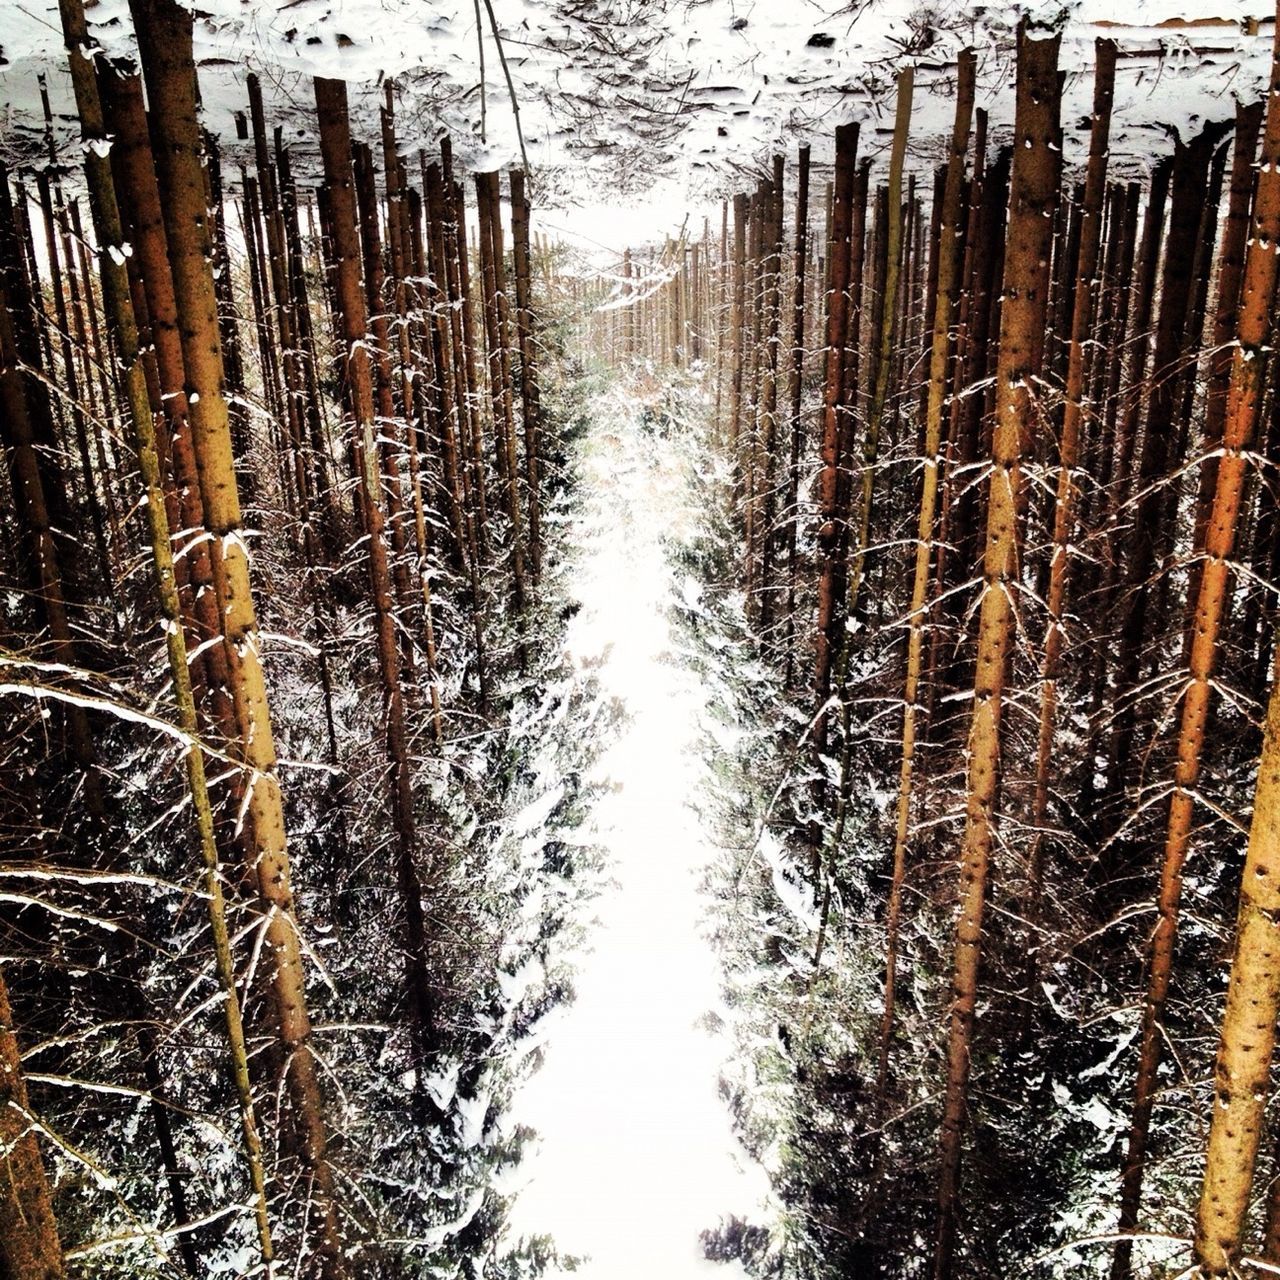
x=1253, y=997
x=117, y=301
x=1033, y=196
x=884, y=338
x=834, y=431
x=1064, y=522
x=164, y=32
x=335, y=149
x=530, y=390
x=948, y=282
x=29, y=1244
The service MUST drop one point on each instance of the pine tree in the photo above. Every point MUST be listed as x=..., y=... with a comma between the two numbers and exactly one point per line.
x=1033, y=198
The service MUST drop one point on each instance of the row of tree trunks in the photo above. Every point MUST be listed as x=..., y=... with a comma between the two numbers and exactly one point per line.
x=164, y=32
x=1253, y=995
x=143, y=414
x=336, y=154
x=148, y=374
x=1024, y=378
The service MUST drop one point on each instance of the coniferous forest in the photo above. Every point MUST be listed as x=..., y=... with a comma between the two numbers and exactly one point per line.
x=533, y=745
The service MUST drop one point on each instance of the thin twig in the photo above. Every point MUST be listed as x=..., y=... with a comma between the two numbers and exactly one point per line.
x=480, y=42
x=511, y=88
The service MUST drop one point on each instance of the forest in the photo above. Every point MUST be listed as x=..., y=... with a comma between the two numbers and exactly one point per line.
x=734, y=734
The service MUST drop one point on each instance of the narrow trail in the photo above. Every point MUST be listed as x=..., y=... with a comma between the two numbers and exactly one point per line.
x=637, y=1155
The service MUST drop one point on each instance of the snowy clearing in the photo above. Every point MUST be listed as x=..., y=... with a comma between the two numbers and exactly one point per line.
x=637, y=1155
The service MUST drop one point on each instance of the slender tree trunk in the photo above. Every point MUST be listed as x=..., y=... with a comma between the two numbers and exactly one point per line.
x=29, y=1244
x=464, y=345
x=386, y=425
x=456, y=408
x=1249, y=1022
x=29, y=495
x=885, y=338
x=1189, y=178
x=771, y=373
x=164, y=32
x=335, y=147
x=948, y=283
x=1230, y=273
x=797, y=432
x=1064, y=524
x=72, y=388
x=131, y=152
x=737, y=321
x=110, y=233
x=834, y=430
x=1033, y=196
x=495, y=311
x=530, y=391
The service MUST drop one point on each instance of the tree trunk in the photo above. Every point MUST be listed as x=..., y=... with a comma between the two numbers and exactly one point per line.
x=164, y=32
x=1189, y=177
x=335, y=148
x=1235, y=229
x=530, y=391
x=797, y=432
x=1064, y=523
x=117, y=300
x=834, y=432
x=885, y=338
x=948, y=282
x=495, y=313
x=1033, y=196
x=1254, y=992
x=29, y=1244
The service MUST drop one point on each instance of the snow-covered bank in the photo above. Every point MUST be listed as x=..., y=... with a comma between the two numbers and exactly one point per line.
x=637, y=1156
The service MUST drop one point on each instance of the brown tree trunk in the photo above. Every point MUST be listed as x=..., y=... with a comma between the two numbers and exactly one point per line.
x=530, y=391
x=29, y=495
x=1254, y=992
x=737, y=321
x=496, y=331
x=117, y=300
x=834, y=431
x=947, y=287
x=335, y=149
x=131, y=152
x=861, y=532
x=29, y=1244
x=1064, y=522
x=1033, y=196
x=164, y=32
x=771, y=373
x=797, y=432
x=1235, y=229
x=1189, y=178
x=386, y=424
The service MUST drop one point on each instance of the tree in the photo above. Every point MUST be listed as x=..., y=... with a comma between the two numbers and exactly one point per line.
x=1033, y=198
x=947, y=288
x=335, y=150
x=1065, y=506
x=1253, y=996
x=164, y=31
x=29, y=1244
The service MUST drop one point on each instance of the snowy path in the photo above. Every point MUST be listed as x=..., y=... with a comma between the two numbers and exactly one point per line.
x=637, y=1154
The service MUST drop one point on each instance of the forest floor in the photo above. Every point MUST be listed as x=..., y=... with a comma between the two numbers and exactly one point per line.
x=636, y=1155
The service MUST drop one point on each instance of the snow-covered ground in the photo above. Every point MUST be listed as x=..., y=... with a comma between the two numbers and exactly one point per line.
x=636, y=1154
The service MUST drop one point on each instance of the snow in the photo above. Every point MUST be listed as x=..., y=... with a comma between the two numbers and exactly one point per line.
x=635, y=112
x=636, y=1154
